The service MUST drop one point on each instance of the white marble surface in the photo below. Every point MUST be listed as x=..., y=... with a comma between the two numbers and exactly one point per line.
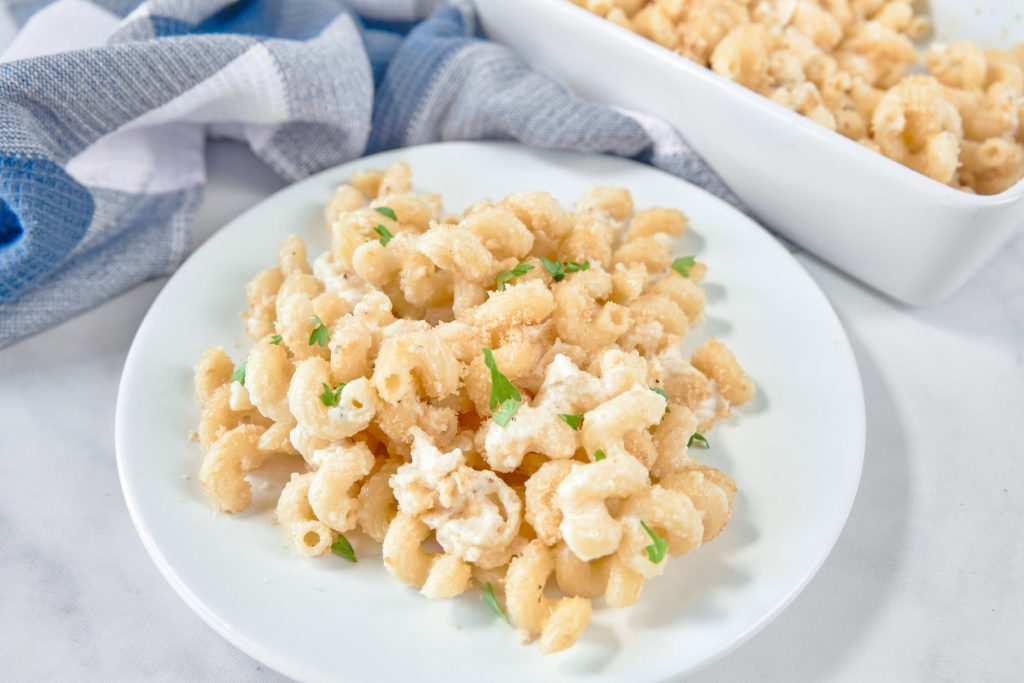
x=924, y=584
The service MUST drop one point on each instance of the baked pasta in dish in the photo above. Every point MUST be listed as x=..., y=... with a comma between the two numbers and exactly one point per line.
x=854, y=67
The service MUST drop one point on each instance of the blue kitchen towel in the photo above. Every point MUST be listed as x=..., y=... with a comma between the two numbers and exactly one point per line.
x=105, y=106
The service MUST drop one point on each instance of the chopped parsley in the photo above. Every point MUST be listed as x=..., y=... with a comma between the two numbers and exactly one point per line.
x=664, y=394
x=574, y=267
x=558, y=269
x=385, y=235
x=319, y=335
x=698, y=439
x=573, y=421
x=492, y=602
x=276, y=339
x=330, y=397
x=387, y=211
x=503, y=392
x=656, y=550
x=239, y=374
x=507, y=276
x=342, y=548
x=683, y=264
x=599, y=455
x=555, y=267
x=504, y=414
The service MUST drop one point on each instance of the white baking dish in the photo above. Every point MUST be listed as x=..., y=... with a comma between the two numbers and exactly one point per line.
x=895, y=229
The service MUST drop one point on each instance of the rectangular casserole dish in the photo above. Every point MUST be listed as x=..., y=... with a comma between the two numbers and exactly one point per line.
x=893, y=228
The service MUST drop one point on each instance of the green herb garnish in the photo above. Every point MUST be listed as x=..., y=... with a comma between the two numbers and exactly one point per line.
x=573, y=421
x=559, y=269
x=492, y=602
x=683, y=264
x=599, y=455
x=504, y=414
x=574, y=267
x=663, y=393
x=656, y=550
x=330, y=397
x=507, y=276
x=276, y=339
x=387, y=211
x=239, y=374
x=699, y=439
x=385, y=235
x=502, y=390
x=319, y=335
x=342, y=548
x=555, y=267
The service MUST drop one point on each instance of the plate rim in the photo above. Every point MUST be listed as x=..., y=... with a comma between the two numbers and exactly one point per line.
x=297, y=670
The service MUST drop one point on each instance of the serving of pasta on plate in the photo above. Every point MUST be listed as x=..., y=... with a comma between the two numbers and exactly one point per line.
x=498, y=398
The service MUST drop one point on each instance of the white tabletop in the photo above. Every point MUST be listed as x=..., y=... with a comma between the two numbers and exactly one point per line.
x=923, y=585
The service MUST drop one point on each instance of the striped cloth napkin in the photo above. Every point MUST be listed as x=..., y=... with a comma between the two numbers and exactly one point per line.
x=105, y=106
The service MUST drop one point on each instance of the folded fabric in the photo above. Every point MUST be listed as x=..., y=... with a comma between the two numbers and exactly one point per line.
x=105, y=108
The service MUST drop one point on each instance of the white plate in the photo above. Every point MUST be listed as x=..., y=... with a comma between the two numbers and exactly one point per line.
x=795, y=453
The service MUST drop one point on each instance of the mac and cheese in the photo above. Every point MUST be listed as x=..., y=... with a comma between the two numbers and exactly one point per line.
x=851, y=65
x=507, y=386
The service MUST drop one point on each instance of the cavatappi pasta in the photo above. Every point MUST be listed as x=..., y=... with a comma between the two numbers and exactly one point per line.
x=852, y=66
x=508, y=383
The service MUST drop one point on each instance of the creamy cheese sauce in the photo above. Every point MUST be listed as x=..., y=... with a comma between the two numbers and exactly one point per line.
x=566, y=388
x=712, y=408
x=239, y=399
x=348, y=286
x=474, y=513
